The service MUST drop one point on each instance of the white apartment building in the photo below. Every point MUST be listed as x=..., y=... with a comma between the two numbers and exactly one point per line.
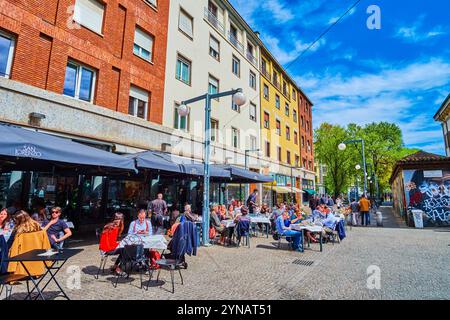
x=212, y=49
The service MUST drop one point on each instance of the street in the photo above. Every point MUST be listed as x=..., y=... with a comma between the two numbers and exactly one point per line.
x=413, y=264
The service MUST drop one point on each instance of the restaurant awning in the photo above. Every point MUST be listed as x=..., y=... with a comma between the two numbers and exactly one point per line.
x=161, y=161
x=23, y=149
x=310, y=191
x=283, y=189
x=240, y=175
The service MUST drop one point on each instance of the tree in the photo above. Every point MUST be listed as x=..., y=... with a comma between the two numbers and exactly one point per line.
x=327, y=139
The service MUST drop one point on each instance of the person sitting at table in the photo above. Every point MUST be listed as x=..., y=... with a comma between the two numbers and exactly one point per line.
x=230, y=213
x=187, y=215
x=41, y=216
x=284, y=230
x=328, y=224
x=6, y=224
x=28, y=235
x=110, y=236
x=55, y=228
x=217, y=225
x=141, y=226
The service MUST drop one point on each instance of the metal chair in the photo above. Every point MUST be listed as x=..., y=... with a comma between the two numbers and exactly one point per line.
x=8, y=279
x=172, y=264
x=133, y=256
x=243, y=230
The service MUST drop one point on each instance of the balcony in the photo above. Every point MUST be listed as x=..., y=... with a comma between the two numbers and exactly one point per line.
x=265, y=73
x=276, y=83
x=252, y=58
x=214, y=21
x=235, y=42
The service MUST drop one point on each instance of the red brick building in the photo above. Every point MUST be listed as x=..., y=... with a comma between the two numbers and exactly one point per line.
x=307, y=143
x=93, y=50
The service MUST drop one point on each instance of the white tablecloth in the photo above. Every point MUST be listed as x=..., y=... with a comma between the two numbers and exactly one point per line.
x=299, y=227
x=228, y=223
x=263, y=220
x=157, y=242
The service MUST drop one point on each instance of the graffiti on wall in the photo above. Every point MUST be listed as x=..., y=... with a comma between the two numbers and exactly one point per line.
x=431, y=195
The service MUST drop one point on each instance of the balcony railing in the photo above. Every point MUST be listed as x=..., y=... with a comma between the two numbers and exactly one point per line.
x=252, y=58
x=212, y=19
x=235, y=42
x=265, y=72
x=276, y=83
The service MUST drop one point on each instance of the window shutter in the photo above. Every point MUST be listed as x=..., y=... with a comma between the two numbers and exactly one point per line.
x=89, y=13
x=138, y=93
x=143, y=40
x=214, y=44
x=185, y=24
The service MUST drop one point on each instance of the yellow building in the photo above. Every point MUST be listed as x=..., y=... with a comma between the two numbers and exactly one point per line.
x=280, y=130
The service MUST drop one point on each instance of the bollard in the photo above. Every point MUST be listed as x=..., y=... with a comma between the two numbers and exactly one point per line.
x=379, y=219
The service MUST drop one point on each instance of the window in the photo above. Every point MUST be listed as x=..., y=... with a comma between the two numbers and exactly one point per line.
x=266, y=120
x=143, y=45
x=303, y=142
x=279, y=154
x=286, y=109
x=153, y=3
x=214, y=48
x=181, y=123
x=294, y=115
x=267, y=149
x=236, y=66
x=213, y=85
x=214, y=130
x=183, y=72
x=252, y=111
x=252, y=80
x=302, y=122
x=296, y=137
x=253, y=143
x=278, y=130
x=89, y=13
x=307, y=126
x=79, y=82
x=304, y=163
x=138, y=102
x=277, y=101
x=288, y=157
x=309, y=146
x=310, y=166
x=7, y=44
x=285, y=91
x=186, y=24
x=294, y=94
x=264, y=67
x=266, y=91
x=235, y=137
x=297, y=160
x=288, y=133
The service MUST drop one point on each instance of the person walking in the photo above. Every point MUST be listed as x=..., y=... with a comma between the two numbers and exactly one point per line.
x=354, y=206
x=158, y=209
x=251, y=201
x=364, y=207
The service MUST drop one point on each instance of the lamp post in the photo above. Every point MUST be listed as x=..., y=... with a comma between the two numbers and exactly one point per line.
x=343, y=146
x=239, y=99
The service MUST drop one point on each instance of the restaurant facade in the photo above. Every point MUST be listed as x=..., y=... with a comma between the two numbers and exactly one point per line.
x=101, y=88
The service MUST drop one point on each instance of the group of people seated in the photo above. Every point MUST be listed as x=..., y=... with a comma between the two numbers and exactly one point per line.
x=20, y=232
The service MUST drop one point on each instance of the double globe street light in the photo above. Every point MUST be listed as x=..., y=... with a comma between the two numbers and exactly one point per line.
x=239, y=99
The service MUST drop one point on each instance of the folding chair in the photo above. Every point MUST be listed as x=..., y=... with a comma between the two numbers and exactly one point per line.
x=133, y=256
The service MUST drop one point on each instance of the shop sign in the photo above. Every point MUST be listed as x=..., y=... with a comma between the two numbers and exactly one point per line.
x=28, y=151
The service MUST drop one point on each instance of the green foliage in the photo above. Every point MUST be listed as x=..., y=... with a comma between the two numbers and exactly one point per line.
x=383, y=148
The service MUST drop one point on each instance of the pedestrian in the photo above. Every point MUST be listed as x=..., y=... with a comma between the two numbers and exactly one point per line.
x=364, y=207
x=158, y=209
x=354, y=206
x=251, y=201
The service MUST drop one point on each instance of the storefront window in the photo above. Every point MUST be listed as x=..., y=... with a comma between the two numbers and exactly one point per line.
x=10, y=188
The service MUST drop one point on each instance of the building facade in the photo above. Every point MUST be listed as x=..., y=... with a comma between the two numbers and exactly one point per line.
x=111, y=73
x=443, y=116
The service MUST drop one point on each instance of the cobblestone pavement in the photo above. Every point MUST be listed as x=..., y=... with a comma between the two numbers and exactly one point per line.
x=414, y=264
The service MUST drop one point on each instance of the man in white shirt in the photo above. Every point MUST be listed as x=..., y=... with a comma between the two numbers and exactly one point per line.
x=142, y=226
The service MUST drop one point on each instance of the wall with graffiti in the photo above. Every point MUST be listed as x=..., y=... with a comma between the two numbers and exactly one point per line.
x=429, y=191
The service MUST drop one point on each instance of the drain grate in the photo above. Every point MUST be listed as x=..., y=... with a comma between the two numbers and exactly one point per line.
x=303, y=262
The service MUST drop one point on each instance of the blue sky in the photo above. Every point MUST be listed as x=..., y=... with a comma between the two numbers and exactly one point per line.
x=400, y=73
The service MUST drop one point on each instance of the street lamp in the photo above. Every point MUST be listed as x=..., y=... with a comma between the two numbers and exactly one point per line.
x=342, y=146
x=239, y=99
x=358, y=167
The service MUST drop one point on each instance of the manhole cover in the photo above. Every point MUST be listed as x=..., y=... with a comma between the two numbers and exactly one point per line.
x=303, y=262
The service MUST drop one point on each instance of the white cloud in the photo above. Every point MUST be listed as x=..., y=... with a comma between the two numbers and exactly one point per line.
x=279, y=11
x=389, y=95
x=416, y=34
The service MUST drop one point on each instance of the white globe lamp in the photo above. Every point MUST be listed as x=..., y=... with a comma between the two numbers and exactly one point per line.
x=239, y=99
x=358, y=167
x=342, y=146
x=183, y=110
